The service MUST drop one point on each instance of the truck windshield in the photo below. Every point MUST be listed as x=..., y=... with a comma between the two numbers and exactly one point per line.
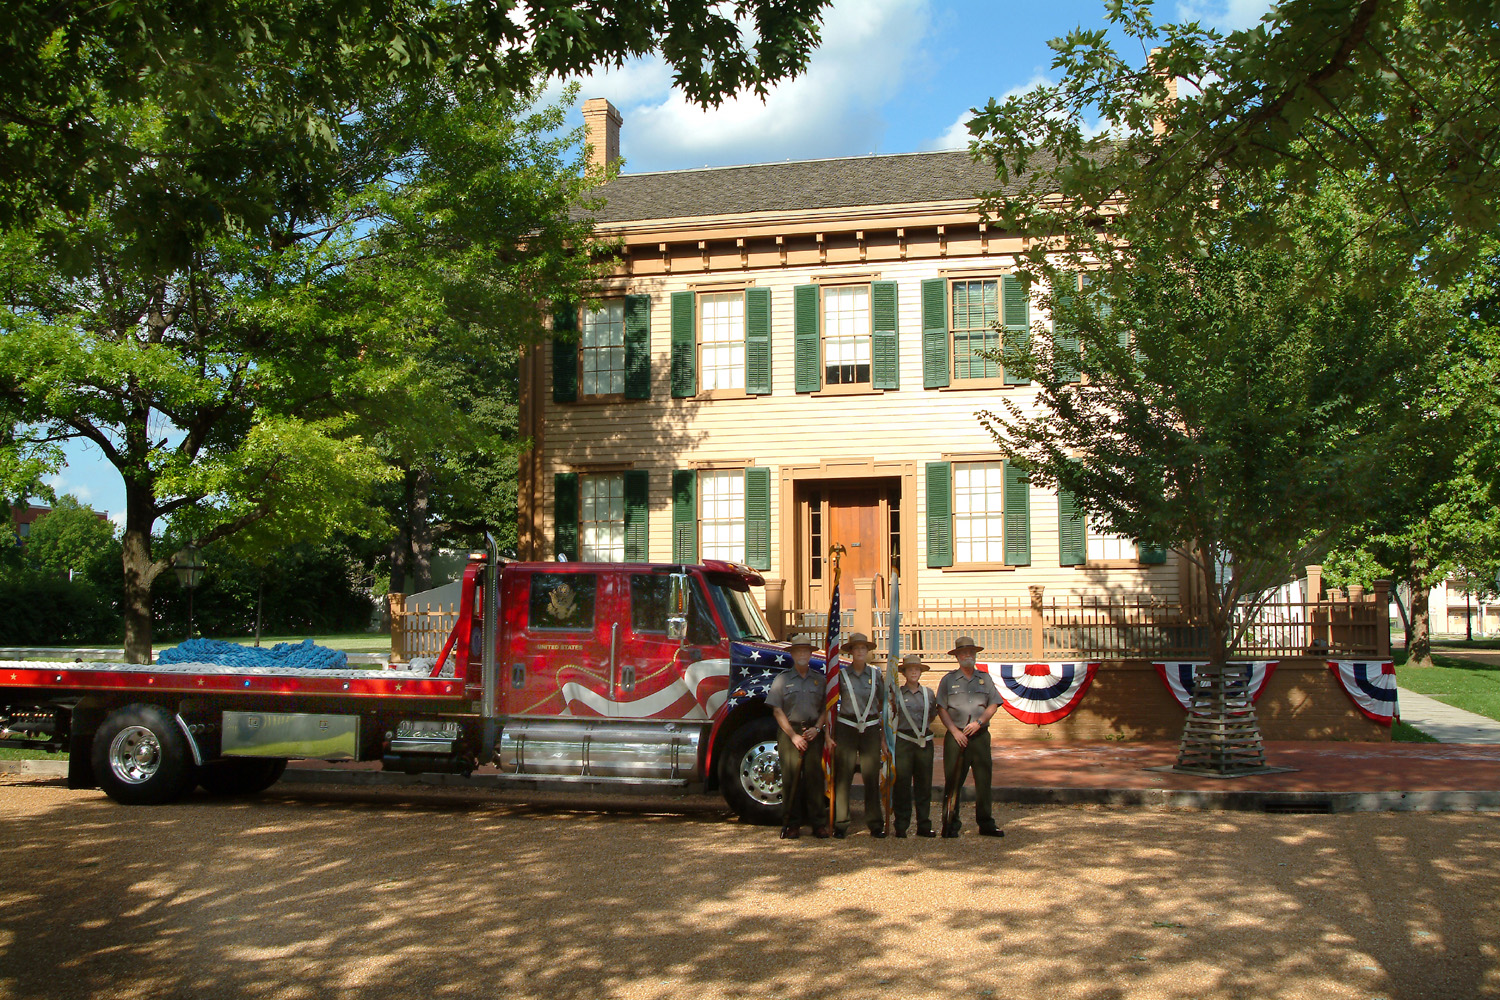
x=738, y=609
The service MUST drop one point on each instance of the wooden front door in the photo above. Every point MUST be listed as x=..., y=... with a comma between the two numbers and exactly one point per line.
x=854, y=522
x=859, y=516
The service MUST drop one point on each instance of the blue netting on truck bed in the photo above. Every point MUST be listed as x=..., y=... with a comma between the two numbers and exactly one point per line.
x=303, y=655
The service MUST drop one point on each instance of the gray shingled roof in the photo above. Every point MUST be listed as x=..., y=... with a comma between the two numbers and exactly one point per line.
x=901, y=179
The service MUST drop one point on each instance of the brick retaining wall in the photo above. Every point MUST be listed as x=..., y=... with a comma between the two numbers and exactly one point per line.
x=1127, y=700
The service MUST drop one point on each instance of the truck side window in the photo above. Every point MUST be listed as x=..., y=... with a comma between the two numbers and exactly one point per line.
x=562, y=601
x=649, y=595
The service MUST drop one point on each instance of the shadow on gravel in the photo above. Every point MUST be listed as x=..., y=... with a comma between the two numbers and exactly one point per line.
x=330, y=892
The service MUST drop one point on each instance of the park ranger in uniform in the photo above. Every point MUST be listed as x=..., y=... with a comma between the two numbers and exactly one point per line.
x=966, y=699
x=915, y=710
x=796, y=699
x=858, y=737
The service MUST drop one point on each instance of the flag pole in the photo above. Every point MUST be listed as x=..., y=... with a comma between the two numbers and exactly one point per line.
x=893, y=657
x=831, y=677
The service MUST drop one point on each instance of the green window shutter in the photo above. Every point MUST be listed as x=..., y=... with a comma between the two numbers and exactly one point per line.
x=565, y=515
x=565, y=355
x=684, y=346
x=805, y=329
x=936, y=368
x=637, y=505
x=1072, y=536
x=1152, y=553
x=1015, y=313
x=939, y=514
x=758, y=518
x=758, y=341
x=1064, y=336
x=1017, y=501
x=885, y=368
x=637, y=347
x=684, y=516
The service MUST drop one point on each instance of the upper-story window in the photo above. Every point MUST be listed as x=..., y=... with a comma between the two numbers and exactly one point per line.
x=846, y=335
x=721, y=343
x=974, y=320
x=602, y=351
x=601, y=345
x=972, y=328
x=721, y=340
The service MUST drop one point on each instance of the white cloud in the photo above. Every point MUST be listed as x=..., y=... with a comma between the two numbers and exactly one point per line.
x=957, y=135
x=1226, y=15
x=832, y=109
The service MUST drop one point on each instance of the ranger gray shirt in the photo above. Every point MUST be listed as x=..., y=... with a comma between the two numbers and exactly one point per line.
x=855, y=690
x=801, y=698
x=966, y=698
x=913, y=702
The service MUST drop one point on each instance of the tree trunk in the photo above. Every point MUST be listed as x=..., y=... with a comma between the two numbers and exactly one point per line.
x=421, y=531
x=136, y=556
x=1419, y=645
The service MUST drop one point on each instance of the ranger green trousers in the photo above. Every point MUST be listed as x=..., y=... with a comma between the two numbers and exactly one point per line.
x=854, y=749
x=957, y=761
x=803, y=792
x=913, y=785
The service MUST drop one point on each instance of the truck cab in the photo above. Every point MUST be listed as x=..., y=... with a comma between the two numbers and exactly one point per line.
x=631, y=672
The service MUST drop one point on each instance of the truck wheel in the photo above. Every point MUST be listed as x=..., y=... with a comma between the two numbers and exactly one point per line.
x=140, y=756
x=241, y=776
x=750, y=773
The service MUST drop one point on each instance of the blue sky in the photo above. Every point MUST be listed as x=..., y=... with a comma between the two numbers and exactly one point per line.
x=892, y=76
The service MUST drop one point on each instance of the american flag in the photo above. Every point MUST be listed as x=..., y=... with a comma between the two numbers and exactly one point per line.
x=831, y=677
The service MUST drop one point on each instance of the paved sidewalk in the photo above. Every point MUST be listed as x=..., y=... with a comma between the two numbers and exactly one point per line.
x=1445, y=723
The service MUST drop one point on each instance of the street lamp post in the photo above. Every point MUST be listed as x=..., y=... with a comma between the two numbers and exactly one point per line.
x=188, y=565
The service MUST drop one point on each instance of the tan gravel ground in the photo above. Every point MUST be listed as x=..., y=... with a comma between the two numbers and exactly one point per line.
x=322, y=891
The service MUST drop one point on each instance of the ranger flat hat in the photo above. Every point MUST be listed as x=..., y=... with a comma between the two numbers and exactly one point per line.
x=966, y=642
x=801, y=640
x=912, y=660
x=858, y=639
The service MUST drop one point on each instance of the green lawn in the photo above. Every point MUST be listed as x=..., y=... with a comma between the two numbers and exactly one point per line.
x=1473, y=687
x=1403, y=733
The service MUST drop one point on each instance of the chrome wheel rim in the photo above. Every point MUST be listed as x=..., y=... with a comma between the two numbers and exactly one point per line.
x=134, y=755
x=760, y=773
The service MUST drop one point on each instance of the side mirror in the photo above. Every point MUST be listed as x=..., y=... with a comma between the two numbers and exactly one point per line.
x=677, y=608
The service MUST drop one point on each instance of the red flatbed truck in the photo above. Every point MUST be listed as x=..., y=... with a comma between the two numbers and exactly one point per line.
x=592, y=674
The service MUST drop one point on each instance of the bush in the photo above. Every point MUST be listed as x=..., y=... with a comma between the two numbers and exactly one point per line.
x=40, y=609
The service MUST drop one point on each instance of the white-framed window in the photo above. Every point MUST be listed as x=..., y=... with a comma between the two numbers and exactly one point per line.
x=979, y=512
x=601, y=517
x=601, y=348
x=1105, y=547
x=721, y=515
x=846, y=335
x=974, y=315
x=721, y=340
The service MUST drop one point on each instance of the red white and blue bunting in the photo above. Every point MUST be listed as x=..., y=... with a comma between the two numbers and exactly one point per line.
x=1371, y=685
x=1039, y=693
x=1178, y=678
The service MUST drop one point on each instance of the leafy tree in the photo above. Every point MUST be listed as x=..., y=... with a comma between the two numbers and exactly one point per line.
x=239, y=393
x=1236, y=403
x=253, y=94
x=1395, y=105
x=71, y=539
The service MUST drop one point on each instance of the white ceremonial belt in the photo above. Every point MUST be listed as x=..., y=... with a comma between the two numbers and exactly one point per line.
x=860, y=726
x=920, y=741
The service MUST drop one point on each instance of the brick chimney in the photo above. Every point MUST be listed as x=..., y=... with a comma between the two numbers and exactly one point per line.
x=1158, y=125
x=601, y=127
